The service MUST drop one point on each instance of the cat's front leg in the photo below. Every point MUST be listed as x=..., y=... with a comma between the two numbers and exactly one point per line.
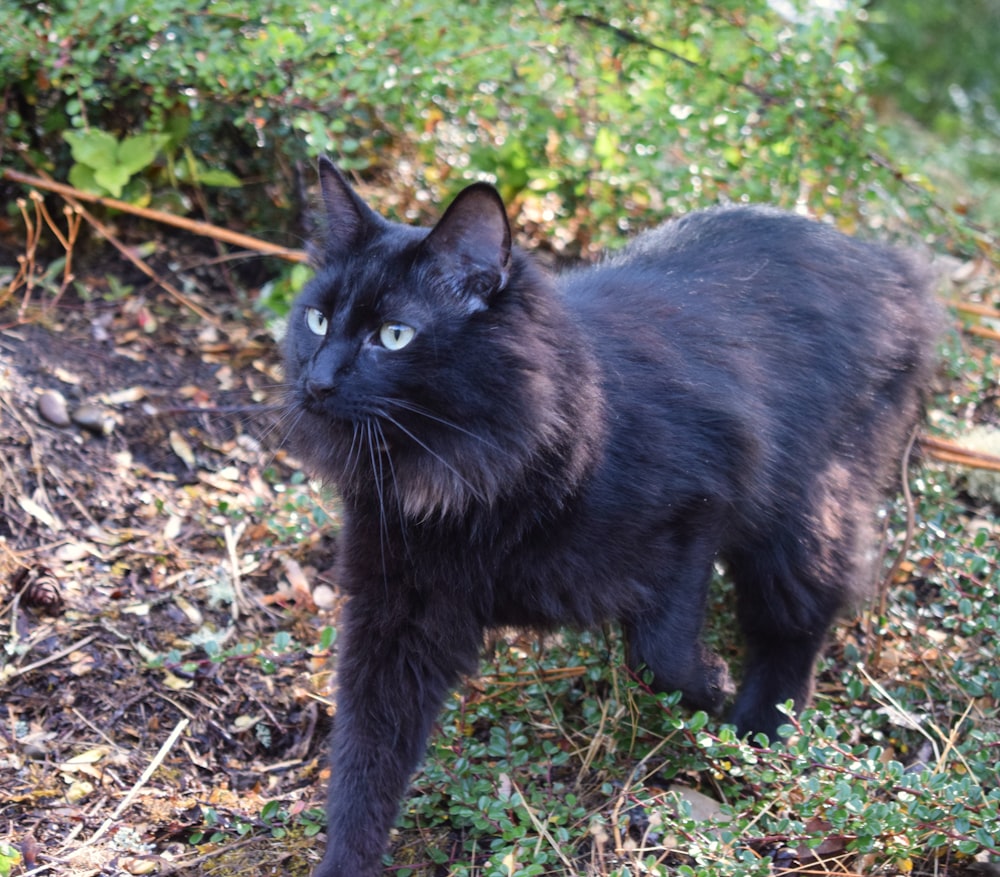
x=666, y=637
x=393, y=673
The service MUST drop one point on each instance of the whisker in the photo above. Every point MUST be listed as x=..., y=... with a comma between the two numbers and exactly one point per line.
x=279, y=423
x=255, y=408
x=286, y=424
x=472, y=488
x=383, y=527
x=353, y=454
x=430, y=415
x=395, y=484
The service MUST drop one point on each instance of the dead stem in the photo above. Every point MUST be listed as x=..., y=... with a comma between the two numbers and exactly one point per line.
x=204, y=229
x=953, y=452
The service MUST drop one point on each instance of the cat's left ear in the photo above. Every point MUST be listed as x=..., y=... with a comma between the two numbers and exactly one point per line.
x=472, y=242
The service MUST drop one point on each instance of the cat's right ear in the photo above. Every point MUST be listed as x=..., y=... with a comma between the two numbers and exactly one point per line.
x=348, y=218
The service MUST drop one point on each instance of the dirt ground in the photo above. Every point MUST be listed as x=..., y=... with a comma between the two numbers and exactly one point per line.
x=163, y=533
x=165, y=595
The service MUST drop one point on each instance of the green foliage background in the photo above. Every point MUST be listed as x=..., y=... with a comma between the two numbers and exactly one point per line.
x=595, y=118
x=938, y=65
x=605, y=114
x=941, y=63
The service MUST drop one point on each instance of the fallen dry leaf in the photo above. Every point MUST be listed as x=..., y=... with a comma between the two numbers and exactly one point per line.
x=179, y=445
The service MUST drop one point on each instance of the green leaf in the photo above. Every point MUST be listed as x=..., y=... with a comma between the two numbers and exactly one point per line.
x=218, y=177
x=177, y=128
x=112, y=179
x=9, y=856
x=327, y=637
x=606, y=147
x=93, y=148
x=138, y=152
x=82, y=177
x=282, y=641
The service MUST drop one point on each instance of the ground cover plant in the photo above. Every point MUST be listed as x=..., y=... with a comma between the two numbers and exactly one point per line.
x=168, y=619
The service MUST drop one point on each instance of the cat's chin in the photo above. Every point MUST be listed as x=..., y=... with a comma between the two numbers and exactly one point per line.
x=426, y=487
x=321, y=446
x=371, y=467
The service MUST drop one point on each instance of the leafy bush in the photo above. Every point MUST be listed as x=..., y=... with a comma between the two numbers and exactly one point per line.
x=548, y=765
x=604, y=114
x=940, y=65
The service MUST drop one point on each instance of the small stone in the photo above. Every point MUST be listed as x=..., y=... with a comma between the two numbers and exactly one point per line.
x=94, y=418
x=52, y=407
x=79, y=790
x=139, y=865
x=72, y=552
x=324, y=597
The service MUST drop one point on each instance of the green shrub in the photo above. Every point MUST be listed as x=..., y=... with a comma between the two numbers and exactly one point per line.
x=604, y=115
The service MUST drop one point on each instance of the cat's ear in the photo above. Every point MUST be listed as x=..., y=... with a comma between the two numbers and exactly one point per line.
x=472, y=241
x=348, y=218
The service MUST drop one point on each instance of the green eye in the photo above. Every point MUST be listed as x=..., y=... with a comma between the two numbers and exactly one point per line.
x=395, y=336
x=316, y=321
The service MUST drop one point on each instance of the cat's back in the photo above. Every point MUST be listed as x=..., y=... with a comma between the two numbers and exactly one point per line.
x=749, y=327
x=723, y=226
x=741, y=252
x=751, y=275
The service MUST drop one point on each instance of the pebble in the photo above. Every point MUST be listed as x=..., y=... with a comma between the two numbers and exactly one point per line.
x=324, y=597
x=52, y=407
x=94, y=418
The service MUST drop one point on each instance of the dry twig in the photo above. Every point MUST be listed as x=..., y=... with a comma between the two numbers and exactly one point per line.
x=126, y=802
x=14, y=672
x=204, y=229
x=974, y=308
x=952, y=452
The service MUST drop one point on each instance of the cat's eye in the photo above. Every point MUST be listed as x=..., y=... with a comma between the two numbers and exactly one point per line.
x=395, y=336
x=316, y=321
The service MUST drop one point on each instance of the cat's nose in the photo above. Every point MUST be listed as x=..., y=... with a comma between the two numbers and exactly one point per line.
x=317, y=391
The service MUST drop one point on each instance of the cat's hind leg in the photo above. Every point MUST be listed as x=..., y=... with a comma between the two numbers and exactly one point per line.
x=789, y=592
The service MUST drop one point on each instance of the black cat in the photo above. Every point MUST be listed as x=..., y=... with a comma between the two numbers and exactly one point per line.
x=513, y=448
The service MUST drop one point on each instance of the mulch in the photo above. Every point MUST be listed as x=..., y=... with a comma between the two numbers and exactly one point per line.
x=160, y=665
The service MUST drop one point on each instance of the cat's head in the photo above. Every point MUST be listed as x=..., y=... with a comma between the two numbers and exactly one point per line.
x=425, y=365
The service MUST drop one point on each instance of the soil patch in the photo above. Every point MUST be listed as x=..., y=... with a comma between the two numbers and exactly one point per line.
x=160, y=665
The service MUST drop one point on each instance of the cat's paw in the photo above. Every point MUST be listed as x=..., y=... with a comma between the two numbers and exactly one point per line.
x=712, y=686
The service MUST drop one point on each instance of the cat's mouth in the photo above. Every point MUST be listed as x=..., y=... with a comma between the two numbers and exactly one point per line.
x=357, y=432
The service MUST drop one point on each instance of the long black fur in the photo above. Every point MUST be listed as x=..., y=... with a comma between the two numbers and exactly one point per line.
x=736, y=385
